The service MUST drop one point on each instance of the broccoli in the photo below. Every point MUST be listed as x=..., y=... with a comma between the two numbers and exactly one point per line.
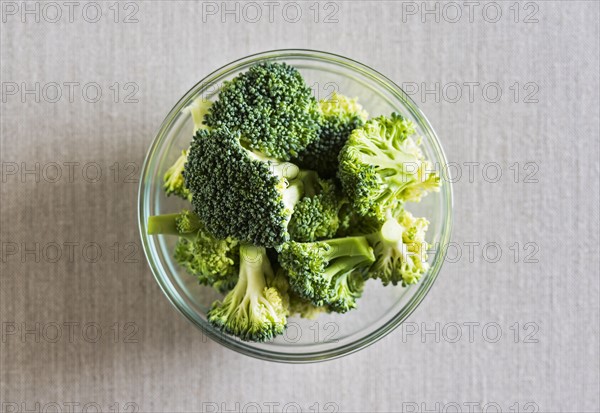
x=251, y=311
x=328, y=272
x=198, y=109
x=341, y=115
x=316, y=217
x=381, y=167
x=351, y=223
x=174, y=184
x=304, y=308
x=244, y=194
x=292, y=301
x=213, y=261
x=400, y=250
x=272, y=108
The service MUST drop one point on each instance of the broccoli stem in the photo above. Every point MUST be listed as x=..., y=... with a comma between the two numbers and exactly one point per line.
x=163, y=224
x=346, y=265
x=349, y=247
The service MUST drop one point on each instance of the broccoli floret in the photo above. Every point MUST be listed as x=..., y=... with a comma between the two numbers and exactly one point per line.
x=244, y=194
x=174, y=183
x=341, y=115
x=352, y=223
x=304, y=308
x=213, y=261
x=381, y=167
x=272, y=108
x=400, y=250
x=328, y=272
x=316, y=217
x=292, y=301
x=251, y=311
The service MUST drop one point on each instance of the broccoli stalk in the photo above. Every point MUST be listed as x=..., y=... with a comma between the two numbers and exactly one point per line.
x=381, y=167
x=252, y=310
x=213, y=261
x=328, y=272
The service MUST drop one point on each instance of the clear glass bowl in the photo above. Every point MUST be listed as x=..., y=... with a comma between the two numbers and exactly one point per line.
x=381, y=309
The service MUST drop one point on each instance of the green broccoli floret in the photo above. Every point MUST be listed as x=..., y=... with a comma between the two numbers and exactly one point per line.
x=341, y=115
x=272, y=108
x=328, y=272
x=381, y=167
x=352, y=223
x=251, y=311
x=174, y=183
x=244, y=194
x=316, y=217
x=304, y=308
x=213, y=261
x=400, y=250
x=292, y=301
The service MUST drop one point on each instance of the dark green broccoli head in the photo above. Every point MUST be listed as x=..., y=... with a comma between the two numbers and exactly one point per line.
x=322, y=271
x=316, y=217
x=381, y=167
x=234, y=194
x=272, y=108
x=341, y=115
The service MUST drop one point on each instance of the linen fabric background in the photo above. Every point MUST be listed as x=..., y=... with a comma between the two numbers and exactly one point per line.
x=514, y=93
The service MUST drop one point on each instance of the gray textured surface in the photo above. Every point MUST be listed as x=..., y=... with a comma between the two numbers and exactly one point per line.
x=170, y=367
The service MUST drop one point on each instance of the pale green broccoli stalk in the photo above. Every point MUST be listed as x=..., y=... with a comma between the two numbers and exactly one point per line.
x=400, y=250
x=244, y=194
x=328, y=272
x=198, y=109
x=251, y=311
x=174, y=183
x=271, y=107
x=381, y=167
x=213, y=261
x=341, y=115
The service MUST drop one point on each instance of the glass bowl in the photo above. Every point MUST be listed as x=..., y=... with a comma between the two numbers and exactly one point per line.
x=381, y=309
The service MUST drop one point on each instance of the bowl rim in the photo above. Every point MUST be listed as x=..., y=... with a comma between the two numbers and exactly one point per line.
x=363, y=341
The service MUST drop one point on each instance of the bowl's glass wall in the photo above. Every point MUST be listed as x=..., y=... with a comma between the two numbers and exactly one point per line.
x=381, y=308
